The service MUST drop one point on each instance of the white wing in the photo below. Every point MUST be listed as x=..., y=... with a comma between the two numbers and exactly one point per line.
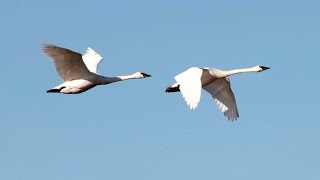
x=221, y=92
x=92, y=59
x=190, y=86
x=69, y=64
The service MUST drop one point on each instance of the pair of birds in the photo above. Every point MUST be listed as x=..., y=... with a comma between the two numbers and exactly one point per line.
x=79, y=74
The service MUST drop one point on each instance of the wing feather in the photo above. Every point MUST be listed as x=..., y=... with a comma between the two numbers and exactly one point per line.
x=69, y=64
x=222, y=94
x=92, y=60
x=190, y=86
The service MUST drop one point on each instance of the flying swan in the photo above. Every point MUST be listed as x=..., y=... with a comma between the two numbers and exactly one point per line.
x=79, y=72
x=215, y=82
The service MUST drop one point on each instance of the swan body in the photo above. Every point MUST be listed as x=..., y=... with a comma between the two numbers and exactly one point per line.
x=215, y=82
x=79, y=73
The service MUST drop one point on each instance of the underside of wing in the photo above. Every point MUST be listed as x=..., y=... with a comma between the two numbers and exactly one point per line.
x=190, y=86
x=92, y=60
x=69, y=64
x=222, y=94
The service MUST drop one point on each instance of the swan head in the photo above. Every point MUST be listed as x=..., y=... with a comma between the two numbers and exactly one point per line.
x=140, y=75
x=261, y=68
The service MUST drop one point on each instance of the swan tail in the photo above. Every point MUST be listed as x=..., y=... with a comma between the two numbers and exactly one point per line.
x=171, y=89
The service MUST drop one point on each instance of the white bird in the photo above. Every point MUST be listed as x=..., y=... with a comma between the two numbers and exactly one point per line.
x=215, y=82
x=79, y=73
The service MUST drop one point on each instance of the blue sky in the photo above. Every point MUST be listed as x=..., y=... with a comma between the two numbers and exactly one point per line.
x=133, y=130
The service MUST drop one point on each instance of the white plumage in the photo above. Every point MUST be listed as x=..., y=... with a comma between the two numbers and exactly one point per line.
x=79, y=73
x=92, y=59
x=215, y=82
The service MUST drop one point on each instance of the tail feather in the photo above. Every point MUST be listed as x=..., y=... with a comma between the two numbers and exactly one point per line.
x=172, y=89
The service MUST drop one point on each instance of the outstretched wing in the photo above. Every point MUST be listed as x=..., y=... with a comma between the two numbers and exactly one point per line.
x=190, y=86
x=69, y=64
x=92, y=60
x=222, y=94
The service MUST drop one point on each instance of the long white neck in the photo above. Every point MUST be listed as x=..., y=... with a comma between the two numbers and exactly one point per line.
x=108, y=80
x=237, y=71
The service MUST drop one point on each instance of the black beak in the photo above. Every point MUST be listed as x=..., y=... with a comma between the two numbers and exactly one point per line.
x=264, y=68
x=145, y=75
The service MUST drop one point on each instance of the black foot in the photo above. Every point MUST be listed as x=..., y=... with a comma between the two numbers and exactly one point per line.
x=55, y=90
x=172, y=89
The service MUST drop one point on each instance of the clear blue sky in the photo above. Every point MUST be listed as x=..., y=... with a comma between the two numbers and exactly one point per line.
x=133, y=130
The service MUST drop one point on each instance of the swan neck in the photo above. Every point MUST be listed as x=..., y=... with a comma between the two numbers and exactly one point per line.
x=108, y=80
x=238, y=71
x=126, y=77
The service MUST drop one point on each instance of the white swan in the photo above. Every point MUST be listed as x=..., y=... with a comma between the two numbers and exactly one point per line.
x=79, y=73
x=215, y=82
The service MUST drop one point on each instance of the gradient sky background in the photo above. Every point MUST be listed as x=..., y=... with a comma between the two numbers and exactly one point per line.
x=133, y=130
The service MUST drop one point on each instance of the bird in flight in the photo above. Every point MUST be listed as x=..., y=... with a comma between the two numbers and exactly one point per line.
x=79, y=72
x=215, y=82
